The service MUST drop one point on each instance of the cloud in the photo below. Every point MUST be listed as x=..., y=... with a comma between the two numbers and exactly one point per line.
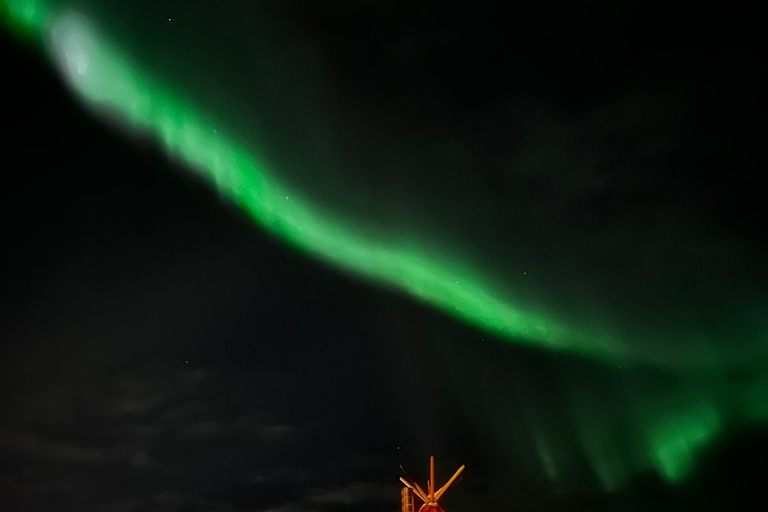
x=290, y=507
x=132, y=407
x=281, y=474
x=38, y=447
x=141, y=459
x=354, y=493
x=269, y=433
x=336, y=497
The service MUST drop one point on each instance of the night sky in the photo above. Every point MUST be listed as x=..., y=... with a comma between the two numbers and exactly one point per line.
x=229, y=271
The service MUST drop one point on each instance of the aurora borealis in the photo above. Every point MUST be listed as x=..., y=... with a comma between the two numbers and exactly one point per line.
x=107, y=80
x=646, y=358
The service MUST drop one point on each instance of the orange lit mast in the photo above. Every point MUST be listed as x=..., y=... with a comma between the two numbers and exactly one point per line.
x=430, y=497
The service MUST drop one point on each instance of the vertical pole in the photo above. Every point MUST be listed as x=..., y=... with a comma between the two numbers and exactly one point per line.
x=432, y=478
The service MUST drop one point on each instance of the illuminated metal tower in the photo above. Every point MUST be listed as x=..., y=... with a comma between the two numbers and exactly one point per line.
x=430, y=497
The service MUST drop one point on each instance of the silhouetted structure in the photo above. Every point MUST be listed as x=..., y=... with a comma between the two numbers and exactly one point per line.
x=431, y=497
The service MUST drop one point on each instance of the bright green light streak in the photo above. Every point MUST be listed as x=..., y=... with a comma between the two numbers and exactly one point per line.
x=109, y=82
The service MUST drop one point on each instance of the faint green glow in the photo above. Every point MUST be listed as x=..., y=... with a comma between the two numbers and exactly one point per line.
x=25, y=16
x=754, y=399
x=601, y=450
x=545, y=454
x=674, y=441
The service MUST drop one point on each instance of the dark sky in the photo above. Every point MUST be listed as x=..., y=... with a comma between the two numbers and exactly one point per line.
x=159, y=352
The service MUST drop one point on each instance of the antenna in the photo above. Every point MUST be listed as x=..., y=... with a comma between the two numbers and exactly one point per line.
x=432, y=478
x=431, y=497
x=446, y=486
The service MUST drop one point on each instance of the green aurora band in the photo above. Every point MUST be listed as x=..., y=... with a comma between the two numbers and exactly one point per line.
x=110, y=83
